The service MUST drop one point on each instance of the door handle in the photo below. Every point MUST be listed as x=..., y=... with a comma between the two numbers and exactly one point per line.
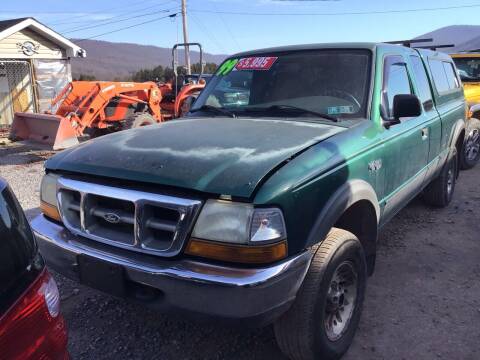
x=424, y=133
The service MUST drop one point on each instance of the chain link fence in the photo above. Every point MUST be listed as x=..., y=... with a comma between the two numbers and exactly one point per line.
x=16, y=90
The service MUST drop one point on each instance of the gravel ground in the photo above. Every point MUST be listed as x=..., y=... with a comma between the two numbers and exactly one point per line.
x=423, y=301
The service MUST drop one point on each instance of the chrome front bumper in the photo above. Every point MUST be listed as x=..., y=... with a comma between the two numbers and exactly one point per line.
x=260, y=294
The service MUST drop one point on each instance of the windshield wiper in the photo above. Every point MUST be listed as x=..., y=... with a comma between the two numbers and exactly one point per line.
x=213, y=109
x=292, y=109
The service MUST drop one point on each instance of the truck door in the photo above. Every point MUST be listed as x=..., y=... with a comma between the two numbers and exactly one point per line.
x=433, y=125
x=449, y=100
x=406, y=144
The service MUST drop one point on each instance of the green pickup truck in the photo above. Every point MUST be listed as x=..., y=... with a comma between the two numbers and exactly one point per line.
x=264, y=203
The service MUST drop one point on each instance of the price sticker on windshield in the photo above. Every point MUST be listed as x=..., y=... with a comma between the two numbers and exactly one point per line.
x=256, y=63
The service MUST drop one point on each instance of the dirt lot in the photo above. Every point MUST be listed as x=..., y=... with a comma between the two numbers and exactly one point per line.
x=423, y=301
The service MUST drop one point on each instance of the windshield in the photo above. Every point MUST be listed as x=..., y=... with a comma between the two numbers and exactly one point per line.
x=331, y=82
x=468, y=68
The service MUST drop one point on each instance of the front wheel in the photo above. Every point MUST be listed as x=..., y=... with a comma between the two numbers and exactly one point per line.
x=138, y=120
x=323, y=319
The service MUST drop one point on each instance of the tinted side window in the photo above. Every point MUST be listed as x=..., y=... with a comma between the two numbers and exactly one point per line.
x=439, y=75
x=452, y=78
x=423, y=86
x=398, y=82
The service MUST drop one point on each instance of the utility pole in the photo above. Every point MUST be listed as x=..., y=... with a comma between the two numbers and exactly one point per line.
x=185, y=36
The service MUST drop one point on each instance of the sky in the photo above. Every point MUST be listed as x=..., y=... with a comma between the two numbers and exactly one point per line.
x=229, y=26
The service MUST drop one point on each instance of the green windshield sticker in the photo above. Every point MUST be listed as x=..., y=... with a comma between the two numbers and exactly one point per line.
x=336, y=110
x=227, y=66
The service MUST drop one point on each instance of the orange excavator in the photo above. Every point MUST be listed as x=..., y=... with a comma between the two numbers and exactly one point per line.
x=86, y=109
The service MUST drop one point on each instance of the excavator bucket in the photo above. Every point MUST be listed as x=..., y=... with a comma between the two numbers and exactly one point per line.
x=48, y=129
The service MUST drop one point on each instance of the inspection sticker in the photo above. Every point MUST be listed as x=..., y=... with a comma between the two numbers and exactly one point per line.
x=256, y=63
x=335, y=110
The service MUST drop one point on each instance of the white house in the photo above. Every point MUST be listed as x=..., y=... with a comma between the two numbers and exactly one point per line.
x=34, y=66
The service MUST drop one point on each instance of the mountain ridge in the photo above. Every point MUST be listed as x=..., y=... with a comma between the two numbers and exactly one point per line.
x=463, y=37
x=110, y=60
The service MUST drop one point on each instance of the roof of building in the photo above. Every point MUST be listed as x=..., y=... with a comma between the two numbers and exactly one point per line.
x=5, y=24
x=9, y=27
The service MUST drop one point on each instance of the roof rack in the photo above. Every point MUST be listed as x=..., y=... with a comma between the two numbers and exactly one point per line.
x=435, y=47
x=408, y=43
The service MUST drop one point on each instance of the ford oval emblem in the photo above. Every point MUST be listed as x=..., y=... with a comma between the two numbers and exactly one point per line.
x=112, y=218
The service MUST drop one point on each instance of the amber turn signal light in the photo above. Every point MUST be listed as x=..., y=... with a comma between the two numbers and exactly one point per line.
x=237, y=253
x=50, y=211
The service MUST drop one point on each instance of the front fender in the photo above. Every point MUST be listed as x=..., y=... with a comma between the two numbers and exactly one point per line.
x=345, y=196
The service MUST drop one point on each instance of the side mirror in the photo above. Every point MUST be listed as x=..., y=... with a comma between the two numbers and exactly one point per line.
x=404, y=106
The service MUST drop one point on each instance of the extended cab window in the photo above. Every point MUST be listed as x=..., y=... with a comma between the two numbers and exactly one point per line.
x=452, y=78
x=444, y=76
x=334, y=82
x=396, y=80
x=423, y=85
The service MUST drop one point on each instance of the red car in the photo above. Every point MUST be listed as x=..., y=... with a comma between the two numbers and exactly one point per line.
x=31, y=326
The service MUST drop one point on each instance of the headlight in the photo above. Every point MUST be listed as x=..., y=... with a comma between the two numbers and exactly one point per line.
x=48, y=196
x=239, y=223
x=224, y=221
x=267, y=225
x=48, y=190
x=239, y=232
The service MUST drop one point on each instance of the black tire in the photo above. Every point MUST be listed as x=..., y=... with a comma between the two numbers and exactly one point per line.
x=440, y=191
x=470, y=150
x=138, y=120
x=301, y=332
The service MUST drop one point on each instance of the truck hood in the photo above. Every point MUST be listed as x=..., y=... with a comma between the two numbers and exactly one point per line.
x=214, y=155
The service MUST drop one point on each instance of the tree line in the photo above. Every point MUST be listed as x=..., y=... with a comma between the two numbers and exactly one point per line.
x=159, y=73
x=163, y=74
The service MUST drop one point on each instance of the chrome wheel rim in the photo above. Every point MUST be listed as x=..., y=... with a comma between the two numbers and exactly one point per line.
x=341, y=299
x=450, y=180
x=472, y=147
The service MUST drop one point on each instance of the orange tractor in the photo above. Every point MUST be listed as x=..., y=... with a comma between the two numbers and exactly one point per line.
x=177, y=98
x=86, y=109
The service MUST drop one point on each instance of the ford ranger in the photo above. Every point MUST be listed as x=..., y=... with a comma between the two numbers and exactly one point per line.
x=264, y=203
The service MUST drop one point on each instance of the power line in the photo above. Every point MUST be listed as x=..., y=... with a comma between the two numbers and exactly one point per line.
x=208, y=33
x=117, y=21
x=120, y=15
x=99, y=11
x=336, y=13
x=230, y=32
x=128, y=27
x=89, y=21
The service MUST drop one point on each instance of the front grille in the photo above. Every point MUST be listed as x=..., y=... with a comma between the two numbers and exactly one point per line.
x=137, y=220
